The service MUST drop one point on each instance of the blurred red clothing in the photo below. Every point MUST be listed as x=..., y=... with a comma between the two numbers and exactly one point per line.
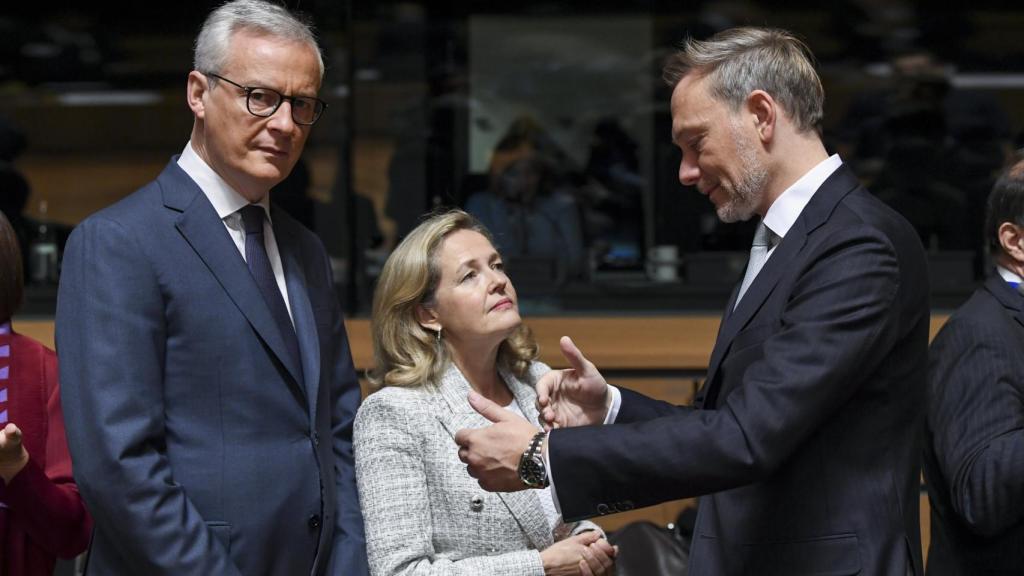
x=42, y=515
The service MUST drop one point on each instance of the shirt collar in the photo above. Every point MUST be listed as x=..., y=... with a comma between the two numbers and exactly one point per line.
x=788, y=206
x=1010, y=277
x=226, y=201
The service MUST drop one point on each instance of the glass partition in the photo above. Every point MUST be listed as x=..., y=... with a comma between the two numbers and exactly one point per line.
x=547, y=120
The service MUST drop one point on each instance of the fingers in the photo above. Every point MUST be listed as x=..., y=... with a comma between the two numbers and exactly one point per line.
x=489, y=409
x=545, y=385
x=462, y=439
x=575, y=357
x=597, y=561
x=605, y=547
x=587, y=538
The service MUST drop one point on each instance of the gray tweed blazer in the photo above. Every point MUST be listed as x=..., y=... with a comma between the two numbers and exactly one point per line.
x=424, y=514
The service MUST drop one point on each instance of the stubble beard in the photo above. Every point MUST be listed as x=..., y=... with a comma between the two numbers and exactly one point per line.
x=748, y=190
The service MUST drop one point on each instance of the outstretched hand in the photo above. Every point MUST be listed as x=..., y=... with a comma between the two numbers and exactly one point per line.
x=492, y=453
x=577, y=396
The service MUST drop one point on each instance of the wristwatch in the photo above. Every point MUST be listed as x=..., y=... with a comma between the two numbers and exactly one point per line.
x=531, y=465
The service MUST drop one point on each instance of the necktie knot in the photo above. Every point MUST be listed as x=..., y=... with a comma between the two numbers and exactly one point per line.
x=764, y=236
x=252, y=219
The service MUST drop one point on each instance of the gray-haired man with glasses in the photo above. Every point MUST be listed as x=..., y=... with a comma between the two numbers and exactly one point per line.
x=208, y=386
x=264, y=102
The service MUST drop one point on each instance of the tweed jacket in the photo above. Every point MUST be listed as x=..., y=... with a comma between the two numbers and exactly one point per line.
x=424, y=514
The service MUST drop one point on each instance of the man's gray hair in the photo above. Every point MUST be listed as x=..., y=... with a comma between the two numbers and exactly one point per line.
x=740, y=60
x=258, y=16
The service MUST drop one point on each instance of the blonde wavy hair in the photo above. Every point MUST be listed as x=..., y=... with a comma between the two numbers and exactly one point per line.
x=405, y=353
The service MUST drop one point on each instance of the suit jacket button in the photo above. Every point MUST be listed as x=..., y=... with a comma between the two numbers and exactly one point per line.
x=603, y=509
x=314, y=522
x=476, y=503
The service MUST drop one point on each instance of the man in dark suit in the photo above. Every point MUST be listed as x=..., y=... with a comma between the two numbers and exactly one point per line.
x=803, y=441
x=974, y=442
x=209, y=392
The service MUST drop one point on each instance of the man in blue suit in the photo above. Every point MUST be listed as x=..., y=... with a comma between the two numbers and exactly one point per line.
x=209, y=392
x=974, y=443
x=804, y=440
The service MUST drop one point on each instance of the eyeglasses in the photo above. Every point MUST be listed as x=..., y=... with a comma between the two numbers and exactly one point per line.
x=264, y=102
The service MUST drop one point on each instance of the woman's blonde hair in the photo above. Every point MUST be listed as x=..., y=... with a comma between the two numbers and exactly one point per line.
x=405, y=353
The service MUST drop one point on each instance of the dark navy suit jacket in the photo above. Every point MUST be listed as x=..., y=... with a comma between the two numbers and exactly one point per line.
x=805, y=436
x=974, y=449
x=195, y=445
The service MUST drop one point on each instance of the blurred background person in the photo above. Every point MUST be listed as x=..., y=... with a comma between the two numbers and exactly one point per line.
x=42, y=516
x=974, y=449
x=530, y=211
x=446, y=322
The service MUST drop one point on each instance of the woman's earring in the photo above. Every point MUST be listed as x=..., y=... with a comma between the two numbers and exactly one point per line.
x=439, y=334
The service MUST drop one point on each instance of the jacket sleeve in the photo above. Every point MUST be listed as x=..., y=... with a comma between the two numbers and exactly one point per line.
x=348, y=554
x=835, y=327
x=976, y=415
x=44, y=499
x=111, y=337
x=396, y=506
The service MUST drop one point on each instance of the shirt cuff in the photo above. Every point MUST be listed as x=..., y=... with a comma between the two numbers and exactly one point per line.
x=613, y=410
x=613, y=413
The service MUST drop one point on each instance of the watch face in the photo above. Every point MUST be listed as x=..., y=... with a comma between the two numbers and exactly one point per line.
x=531, y=472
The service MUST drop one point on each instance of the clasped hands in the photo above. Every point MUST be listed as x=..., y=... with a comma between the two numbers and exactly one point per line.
x=577, y=396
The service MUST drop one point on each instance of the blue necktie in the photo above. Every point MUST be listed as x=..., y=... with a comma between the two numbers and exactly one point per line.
x=259, y=267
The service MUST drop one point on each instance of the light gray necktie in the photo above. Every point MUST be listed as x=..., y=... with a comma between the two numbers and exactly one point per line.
x=764, y=240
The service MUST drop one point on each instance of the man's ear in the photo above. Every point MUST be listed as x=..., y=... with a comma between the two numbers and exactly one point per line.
x=762, y=108
x=427, y=318
x=196, y=90
x=1011, y=239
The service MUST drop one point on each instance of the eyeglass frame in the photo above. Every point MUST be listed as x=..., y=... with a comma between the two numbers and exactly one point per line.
x=281, y=99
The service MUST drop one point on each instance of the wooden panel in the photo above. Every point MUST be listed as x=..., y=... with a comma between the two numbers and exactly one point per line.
x=615, y=343
x=41, y=330
x=622, y=343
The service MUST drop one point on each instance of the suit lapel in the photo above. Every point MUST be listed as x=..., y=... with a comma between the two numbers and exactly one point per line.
x=816, y=213
x=1011, y=299
x=301, y=308
x=455, y=413
x=205, y=232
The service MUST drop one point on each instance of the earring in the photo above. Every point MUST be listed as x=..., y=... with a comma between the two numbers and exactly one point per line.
x=439, y=334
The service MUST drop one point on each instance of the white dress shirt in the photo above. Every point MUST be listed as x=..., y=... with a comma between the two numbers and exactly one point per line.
x=1008, y=276
x=227, y=202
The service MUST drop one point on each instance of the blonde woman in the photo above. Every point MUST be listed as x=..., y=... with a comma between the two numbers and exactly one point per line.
x=446, y=321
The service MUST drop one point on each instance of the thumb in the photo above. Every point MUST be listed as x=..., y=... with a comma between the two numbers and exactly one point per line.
x=13, y=432
x=573, y=354
x=588, y=537
x=489, y=409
